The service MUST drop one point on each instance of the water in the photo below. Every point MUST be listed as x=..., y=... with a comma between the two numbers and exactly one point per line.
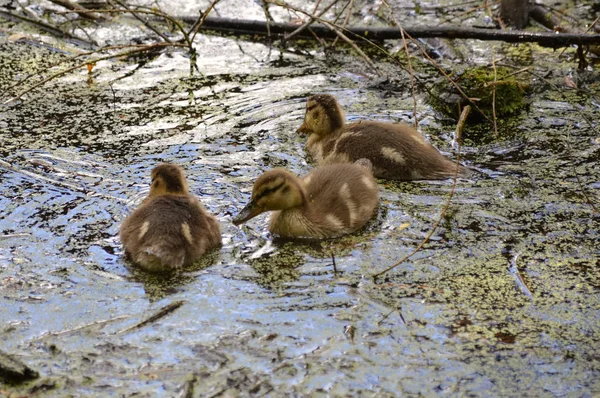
x=504, y=299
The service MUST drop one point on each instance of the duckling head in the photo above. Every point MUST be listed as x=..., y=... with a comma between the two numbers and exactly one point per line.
x=168, y=179
x=323, y=115
x=277, y=189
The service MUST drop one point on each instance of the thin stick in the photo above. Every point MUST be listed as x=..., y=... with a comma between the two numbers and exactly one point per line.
x=355, y=47
x=350, y=4
x=124, y=54
x=312, y=19
x=83, y=327
x=410, y=69
x=45, y=27
x=202, y=18
x=459, y=128
x=386, y=316
x=9, y=236
x=494, y=97
x=268, y=18
x=333, y=262
x=156, y=13
x=74, y=7
x=146, y=23
x=164, y=311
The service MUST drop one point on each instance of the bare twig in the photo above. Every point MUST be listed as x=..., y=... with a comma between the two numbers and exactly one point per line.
x=146, y=23
x=356, y=48
x=459, y=128
x=309, y=22
x=200, y=21
x=124, y=54
x=74, y=7
x=155, y=13
x=10, y=236
x=164, y=311
x=494, y=97
x=45, y=27
x=62, y=61
x=349, y=6
x=82, y=327
x=410, y=69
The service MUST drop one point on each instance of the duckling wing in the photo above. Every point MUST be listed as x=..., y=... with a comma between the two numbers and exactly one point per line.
x=343, y=197
x=397, y=151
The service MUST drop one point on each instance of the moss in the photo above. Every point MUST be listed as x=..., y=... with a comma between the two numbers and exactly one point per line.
x=481, y=86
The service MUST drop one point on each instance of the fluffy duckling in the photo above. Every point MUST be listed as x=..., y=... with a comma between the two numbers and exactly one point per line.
x=328, y=202
x=397, y=151
x=170, y=229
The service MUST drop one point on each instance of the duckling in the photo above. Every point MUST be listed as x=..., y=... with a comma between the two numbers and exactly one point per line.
x=170, y=229
x=397, y=151
x=328, y=202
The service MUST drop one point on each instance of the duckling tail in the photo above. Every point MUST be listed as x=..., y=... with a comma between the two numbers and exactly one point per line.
x=366, y=163
x=157, y=259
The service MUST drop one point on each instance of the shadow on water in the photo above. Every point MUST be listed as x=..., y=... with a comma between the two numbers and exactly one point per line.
x=505, y=294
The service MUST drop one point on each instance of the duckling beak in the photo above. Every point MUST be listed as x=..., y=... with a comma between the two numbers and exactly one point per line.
x=303, y=129
x=250, y=211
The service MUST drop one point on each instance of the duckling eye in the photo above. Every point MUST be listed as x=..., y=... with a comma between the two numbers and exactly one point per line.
x=269, y=191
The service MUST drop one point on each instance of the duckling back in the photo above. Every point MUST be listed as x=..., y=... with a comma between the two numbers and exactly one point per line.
x=169, y=232
x=340, y=199
x=397, y=151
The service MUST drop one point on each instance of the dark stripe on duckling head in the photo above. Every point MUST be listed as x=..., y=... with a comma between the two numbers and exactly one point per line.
x=172, y=176
x=269, y=191
x=331, y=109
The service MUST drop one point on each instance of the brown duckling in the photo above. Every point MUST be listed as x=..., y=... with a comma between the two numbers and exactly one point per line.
x=170, y=229
x=397, y=151
x=328, y=202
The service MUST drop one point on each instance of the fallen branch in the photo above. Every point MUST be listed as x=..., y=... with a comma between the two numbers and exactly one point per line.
x=243, y=27
x=164, y=311
x=83, y=327
x=74, y=7
x=45, y=27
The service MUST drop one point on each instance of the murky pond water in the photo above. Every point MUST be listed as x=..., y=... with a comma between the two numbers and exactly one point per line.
x=504, y=299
